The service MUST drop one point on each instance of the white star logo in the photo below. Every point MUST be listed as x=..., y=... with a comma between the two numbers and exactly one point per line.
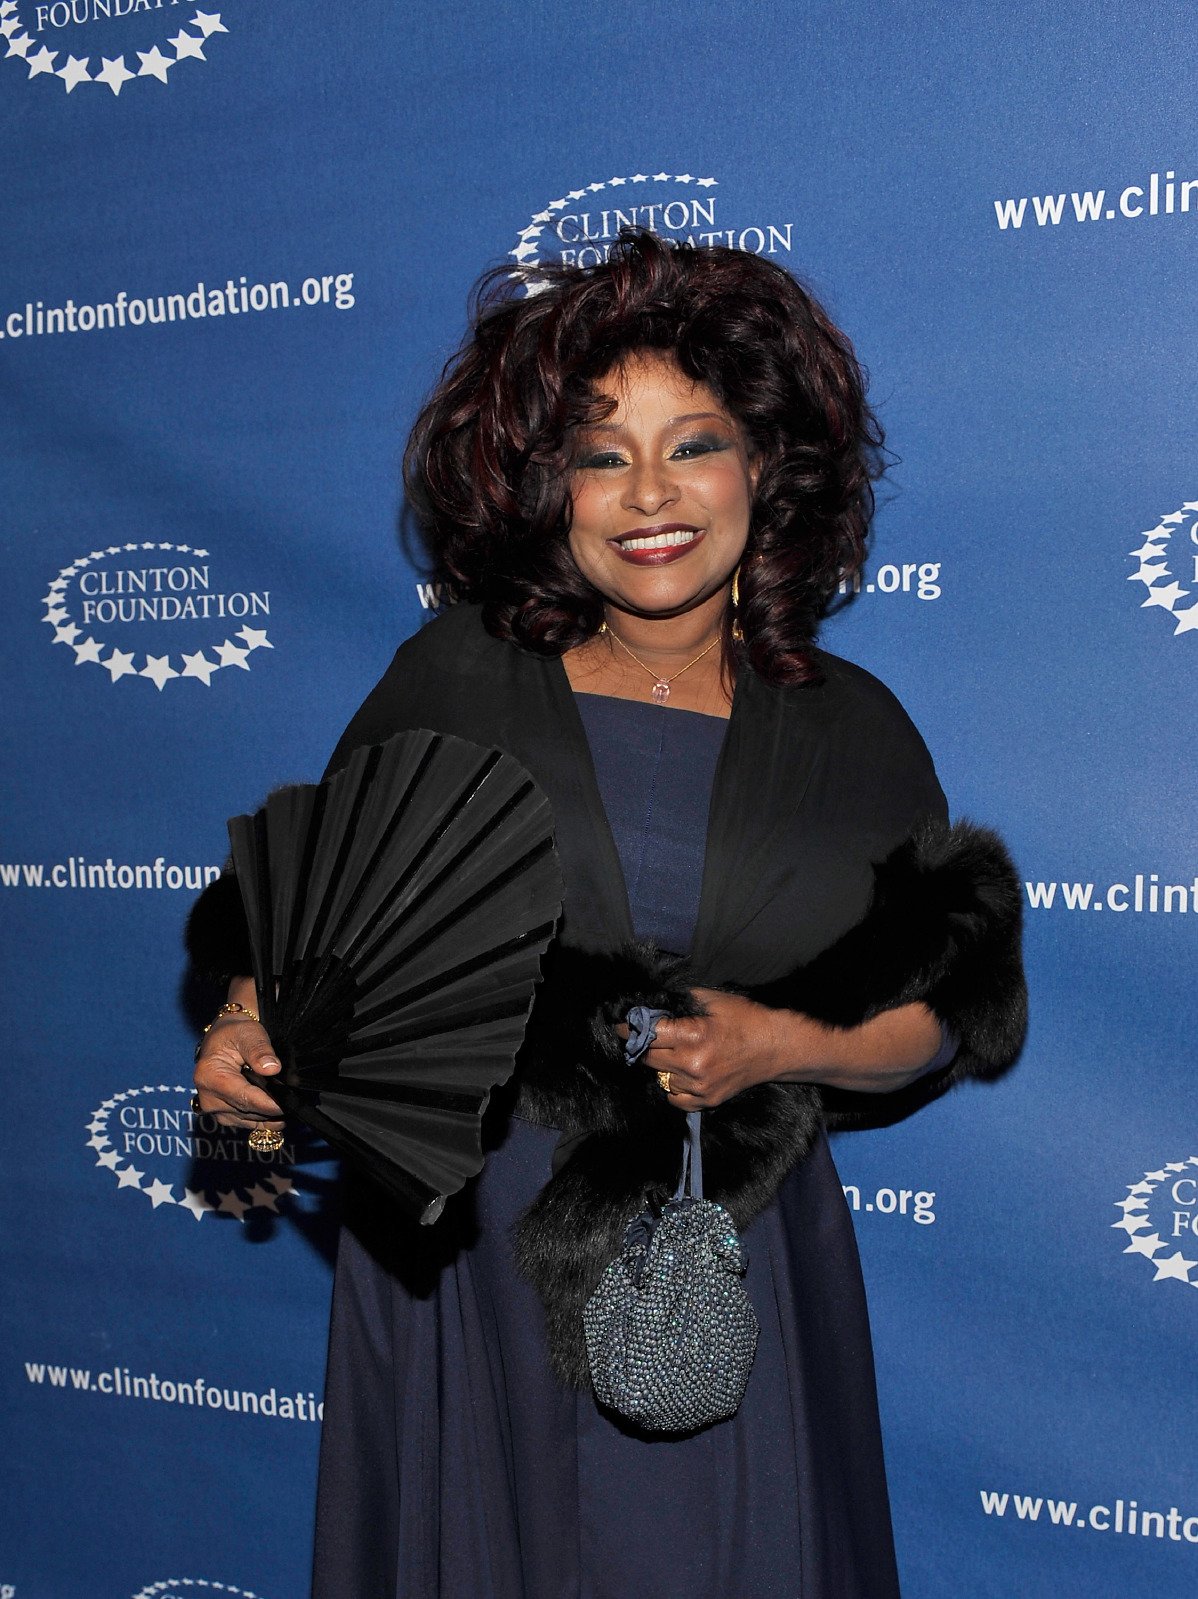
x=195, y=1203
x=230, y=655
x=18, y=46
x=1166, y=597
x=120, y=664
x=198, y=665
x=1187, y=620
x=129, y=1178
x=1130, y=1203
x=1132, y=1224
x=73, y=74
x=1148, y=575
x=88, y=651
x=255, y=638
x=42, y=61
x=187, y=44
x=158, y=669
x=116, y=75
x=1175, y=1266
x=159, y=1193
x=65, y=635
x=1147, y=1245
x=661, y=177
x=209, y=22
x=281, y=1185
x=109, y=1158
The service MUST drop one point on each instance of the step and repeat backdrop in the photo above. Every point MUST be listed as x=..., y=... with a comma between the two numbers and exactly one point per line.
x=236, y=248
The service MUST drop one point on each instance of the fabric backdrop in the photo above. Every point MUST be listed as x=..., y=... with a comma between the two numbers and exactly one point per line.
x=236, y=249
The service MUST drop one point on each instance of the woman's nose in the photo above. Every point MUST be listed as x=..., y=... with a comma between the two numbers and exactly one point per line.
x=650, y=486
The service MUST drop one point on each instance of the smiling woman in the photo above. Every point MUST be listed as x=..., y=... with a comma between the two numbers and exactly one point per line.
x=644, y=481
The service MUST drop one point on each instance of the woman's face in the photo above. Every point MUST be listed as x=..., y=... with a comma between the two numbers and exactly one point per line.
x=662, y=491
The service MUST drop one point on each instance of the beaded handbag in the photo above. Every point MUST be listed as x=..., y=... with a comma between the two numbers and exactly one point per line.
x=670, y=1332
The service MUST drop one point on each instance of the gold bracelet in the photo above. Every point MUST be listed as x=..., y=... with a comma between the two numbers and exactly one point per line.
x=229, y=1008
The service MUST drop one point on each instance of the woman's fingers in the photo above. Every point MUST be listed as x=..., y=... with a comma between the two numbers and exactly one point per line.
x=221, y=1085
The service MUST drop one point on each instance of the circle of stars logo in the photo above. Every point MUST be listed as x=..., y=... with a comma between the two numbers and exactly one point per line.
x=119, y=663
x=263, y=1194
x=1154, y=572
x=114, y=74
x=622, y=191
x=184, y=1584
x=1167, y=1261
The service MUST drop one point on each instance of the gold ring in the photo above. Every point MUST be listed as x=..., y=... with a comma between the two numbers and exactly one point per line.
x=663, y=1082
x=265, y=1140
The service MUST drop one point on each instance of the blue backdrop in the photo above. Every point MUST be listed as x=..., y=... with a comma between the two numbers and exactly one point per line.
x=236, y=247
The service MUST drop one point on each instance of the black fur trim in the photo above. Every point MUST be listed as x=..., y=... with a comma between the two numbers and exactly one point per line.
x=943, y=928
x=572, y=1075
x=217, y=938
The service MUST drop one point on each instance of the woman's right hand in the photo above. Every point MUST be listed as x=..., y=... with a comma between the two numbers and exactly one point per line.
x=224, y=1092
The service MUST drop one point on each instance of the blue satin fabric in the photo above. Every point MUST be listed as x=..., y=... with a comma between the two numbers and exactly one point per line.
x=453, y=1466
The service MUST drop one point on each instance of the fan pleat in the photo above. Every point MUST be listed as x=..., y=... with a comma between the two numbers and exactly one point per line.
x=398, y=913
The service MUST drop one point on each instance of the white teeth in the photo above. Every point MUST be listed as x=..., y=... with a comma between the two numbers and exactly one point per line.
x=659, y=541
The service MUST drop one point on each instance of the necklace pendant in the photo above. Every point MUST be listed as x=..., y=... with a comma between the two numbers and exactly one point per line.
x=660, y=692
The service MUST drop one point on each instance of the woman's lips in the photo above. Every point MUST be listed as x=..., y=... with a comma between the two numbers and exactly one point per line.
x=657, y=546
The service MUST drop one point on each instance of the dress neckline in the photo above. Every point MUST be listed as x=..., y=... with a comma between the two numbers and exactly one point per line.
x=646, y=705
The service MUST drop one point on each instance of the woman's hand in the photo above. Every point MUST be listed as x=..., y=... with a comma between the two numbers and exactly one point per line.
x=223, y=1091
x=739, y=1043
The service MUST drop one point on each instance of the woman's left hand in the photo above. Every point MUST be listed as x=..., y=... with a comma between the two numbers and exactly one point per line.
x=738, y=1043
x=710, y=1058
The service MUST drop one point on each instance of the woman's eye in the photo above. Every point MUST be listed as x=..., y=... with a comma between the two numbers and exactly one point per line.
x=601, y=458
x=693, y=447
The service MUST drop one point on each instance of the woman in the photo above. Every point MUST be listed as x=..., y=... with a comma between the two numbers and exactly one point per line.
x=646, y=480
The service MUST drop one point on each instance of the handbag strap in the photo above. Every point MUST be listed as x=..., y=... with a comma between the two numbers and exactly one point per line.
x=692, y=1158
x=642, y=1031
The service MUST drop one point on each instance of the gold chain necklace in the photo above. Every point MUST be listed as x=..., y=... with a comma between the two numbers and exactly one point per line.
x=661, y=685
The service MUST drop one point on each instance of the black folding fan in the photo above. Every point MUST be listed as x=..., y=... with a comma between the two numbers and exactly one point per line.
x=397, y=915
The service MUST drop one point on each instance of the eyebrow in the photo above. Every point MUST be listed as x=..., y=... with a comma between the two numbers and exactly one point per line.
x=673, y=421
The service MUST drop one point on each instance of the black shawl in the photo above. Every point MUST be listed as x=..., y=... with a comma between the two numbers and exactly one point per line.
x=832, y=884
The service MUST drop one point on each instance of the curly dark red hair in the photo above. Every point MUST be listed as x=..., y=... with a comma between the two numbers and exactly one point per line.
x=488, y=465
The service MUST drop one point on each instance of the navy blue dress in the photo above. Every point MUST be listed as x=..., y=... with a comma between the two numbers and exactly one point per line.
x=452, y=1464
